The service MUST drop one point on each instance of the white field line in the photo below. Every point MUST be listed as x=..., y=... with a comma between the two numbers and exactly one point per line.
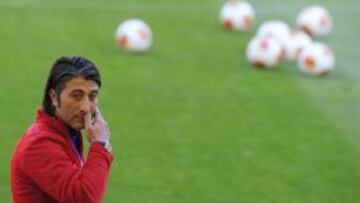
x=341, y=105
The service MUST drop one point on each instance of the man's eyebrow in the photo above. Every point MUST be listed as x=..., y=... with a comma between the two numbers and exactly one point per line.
x=94, y=92
x=77, y=91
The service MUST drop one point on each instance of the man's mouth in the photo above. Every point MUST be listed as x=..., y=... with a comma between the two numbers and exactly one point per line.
x=80, y=119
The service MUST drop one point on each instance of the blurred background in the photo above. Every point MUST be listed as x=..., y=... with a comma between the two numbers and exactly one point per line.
x=191, y=120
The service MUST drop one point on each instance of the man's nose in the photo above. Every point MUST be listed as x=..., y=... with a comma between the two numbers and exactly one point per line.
x=85, y=105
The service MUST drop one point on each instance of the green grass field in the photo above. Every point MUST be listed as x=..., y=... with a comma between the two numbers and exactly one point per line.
x=191, y=121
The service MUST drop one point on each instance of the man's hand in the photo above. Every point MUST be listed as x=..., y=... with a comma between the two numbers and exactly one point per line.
x=97, y=130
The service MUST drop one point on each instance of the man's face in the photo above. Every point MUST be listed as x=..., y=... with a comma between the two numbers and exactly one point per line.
x=78, y=98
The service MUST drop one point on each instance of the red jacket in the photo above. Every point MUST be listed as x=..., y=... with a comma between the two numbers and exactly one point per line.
x=46, y=167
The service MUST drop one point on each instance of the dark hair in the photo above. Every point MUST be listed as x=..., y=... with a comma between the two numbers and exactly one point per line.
x=64, y=69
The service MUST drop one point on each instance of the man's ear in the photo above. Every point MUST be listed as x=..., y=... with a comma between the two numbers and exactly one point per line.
x=53, y=97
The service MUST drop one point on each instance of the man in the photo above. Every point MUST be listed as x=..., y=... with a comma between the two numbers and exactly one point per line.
x=48, y=163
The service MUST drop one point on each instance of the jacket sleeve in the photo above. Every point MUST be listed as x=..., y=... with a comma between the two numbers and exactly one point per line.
x=50, y=167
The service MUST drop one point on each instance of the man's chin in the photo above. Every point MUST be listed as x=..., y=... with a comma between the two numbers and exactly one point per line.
x=78, y=126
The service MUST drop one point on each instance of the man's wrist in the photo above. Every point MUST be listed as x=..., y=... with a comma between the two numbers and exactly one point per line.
x=105, y=143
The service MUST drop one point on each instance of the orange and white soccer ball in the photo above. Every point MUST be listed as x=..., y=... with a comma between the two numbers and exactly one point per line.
x=264, y=52
x=237, y=15
x=134, y=35
x=275, y=28
x=278, y=30
x=317, y=59
x=315, y=20
x=296, y=42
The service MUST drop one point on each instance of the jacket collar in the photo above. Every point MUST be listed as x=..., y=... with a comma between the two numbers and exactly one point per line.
x=63, y=130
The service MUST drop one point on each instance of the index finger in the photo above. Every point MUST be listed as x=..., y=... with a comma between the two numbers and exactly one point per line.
x=87, y=120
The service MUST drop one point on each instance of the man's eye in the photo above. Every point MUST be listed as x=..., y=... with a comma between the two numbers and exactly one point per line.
x=92, y=97
x=76, y=96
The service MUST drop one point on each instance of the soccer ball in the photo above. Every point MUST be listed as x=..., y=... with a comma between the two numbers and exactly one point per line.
x=315, y=20
x=278, y=30
x=296, y=43
x=134, y=35
x=237, y=15
x=264, y=52
x=316, y=59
